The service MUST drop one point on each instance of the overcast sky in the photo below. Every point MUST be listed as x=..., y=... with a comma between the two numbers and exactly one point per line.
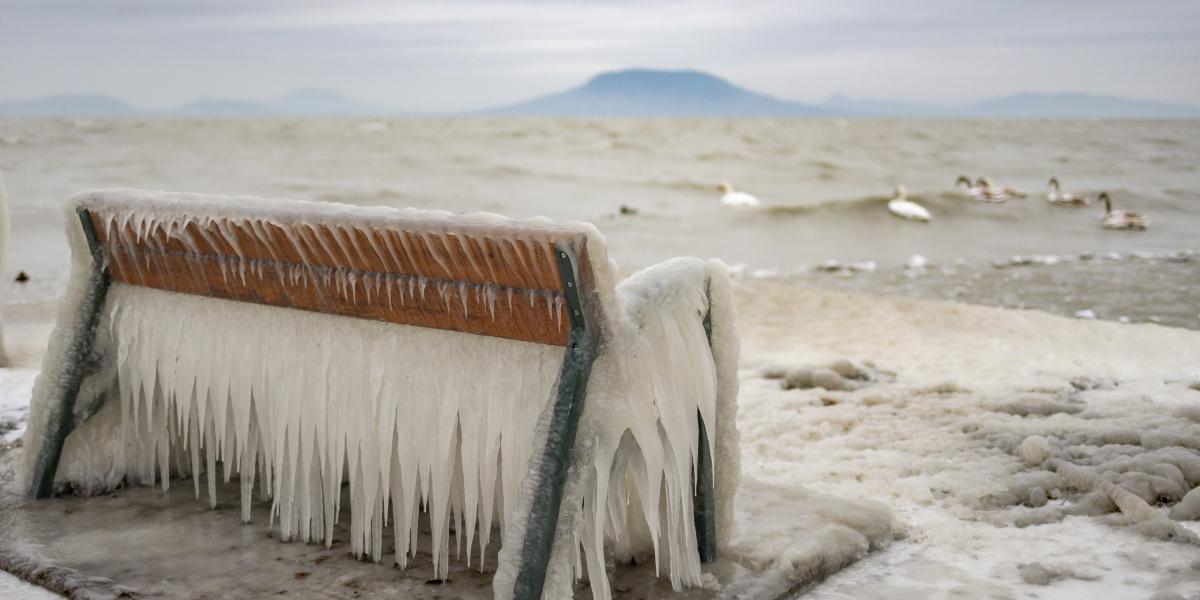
x=450, y=55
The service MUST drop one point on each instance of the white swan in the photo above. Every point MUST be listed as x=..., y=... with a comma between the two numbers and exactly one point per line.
x=1055, y=195
x=904, y=208
x=998, y=193
x=732, y=197
x=1121, y=219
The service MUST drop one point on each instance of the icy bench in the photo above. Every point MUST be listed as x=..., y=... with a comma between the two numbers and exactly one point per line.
x=417, y=356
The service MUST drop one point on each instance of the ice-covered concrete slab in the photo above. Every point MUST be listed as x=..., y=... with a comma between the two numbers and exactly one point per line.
x=141, y=542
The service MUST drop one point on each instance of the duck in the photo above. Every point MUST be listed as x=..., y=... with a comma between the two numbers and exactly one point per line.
x=1055, y=195
x=732, y=197
x=1121, y=219
x=904, y=208
x=973, y=190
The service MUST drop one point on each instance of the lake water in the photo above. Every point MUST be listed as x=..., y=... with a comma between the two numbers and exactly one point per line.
x=823, y=184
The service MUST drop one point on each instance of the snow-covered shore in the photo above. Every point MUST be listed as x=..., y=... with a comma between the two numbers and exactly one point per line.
x=967, y=420
x=979, y=439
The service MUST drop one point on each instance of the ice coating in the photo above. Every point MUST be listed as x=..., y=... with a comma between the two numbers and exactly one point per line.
x=383, y=267
x=639, y=433
x=415, y=420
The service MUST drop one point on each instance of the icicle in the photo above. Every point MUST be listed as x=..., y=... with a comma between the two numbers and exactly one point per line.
x=462, y=294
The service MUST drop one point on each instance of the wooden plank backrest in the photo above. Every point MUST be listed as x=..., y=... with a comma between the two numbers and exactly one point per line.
x=455, y=275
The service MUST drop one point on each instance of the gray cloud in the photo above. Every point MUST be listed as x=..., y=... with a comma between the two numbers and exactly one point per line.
x=468, y=53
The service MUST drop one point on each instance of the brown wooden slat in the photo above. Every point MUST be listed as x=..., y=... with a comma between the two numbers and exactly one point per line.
x=534, y=267
x=229, y=259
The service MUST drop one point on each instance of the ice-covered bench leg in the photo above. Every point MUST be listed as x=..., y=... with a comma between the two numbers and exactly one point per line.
x=655, y=298
x=704, y=503
x=74, y=369
x=551, y=477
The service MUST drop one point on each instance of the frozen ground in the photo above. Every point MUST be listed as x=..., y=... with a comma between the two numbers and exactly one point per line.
x=950, y=443
x=1000, y=440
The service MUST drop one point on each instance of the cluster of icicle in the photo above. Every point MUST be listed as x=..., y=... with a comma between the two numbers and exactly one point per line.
x=145, y=225
x=408, y=419
x=639, y=436
x=413, y=420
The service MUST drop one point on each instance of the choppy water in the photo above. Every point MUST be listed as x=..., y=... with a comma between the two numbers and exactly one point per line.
x=823, y=182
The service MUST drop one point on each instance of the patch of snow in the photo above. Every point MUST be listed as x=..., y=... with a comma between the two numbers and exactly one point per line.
x=16, y=385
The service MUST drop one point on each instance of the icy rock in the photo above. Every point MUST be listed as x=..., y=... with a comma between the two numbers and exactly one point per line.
x=1086, y=313
x=1037, y=497
x=1037, y=405
x=1123, y=437
x=830, y=380
x=839, y=375
x=1162, y=439
x=774, y=372
x=1167, y=595
x=1034, y=450
x=797, y=379
x=1038, y=574
x=1187, y=509
x=1190, y=412
x=1083, y=382
x=1168, y=531
x=997, y=500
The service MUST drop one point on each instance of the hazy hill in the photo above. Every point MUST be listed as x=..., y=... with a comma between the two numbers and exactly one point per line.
x=304, y=102
x=319, y=101
x=1077, y=105
x=300, y=103
x=79, y=105
x=219, y=107
x=1025, y=105
x=651, y=93
x=629, y=93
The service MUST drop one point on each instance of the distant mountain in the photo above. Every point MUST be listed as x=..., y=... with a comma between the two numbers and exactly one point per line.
x=1026, y=105
x=845, y=106
x=300, y=103
x=219, y=107
x=93, y=105
x=629, y=93
x=319, y=101
x=1075, y=105
x=652, y=93
x=304, y=102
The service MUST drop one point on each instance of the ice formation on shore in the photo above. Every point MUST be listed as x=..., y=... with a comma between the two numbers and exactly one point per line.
x=411, y=419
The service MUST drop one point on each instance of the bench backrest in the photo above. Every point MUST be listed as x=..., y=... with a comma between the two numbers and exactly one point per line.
x=480, y=274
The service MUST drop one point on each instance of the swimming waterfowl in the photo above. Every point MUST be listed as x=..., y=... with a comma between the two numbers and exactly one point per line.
x=998, y=193
x=1121, y=219
x=904, y=208
x=975, y=191
x=732, y=197
x=1055, y=195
